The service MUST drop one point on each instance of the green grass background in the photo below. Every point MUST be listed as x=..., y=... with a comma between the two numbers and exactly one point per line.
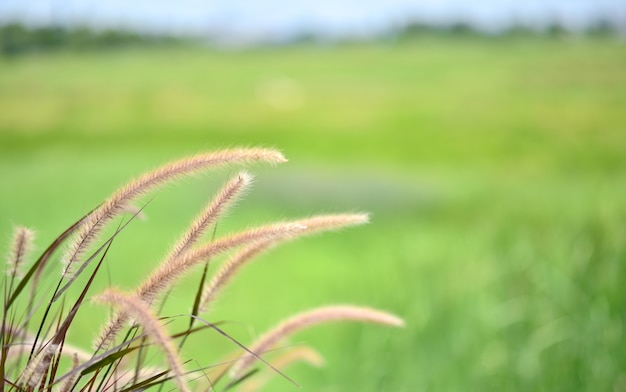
x=494, y=171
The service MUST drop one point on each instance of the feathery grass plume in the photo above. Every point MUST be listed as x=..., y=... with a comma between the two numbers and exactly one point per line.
x=297, y=354
x=310, y=318
x=226, y=196
x=21, y=245
x=168, y=273
x=37, y=367
x=15, y=351
x=333, y=222
x=228, y=270
x=92, y=225
x=30, y=361
x=69, y=382
x=312, y=225
x=138, y=310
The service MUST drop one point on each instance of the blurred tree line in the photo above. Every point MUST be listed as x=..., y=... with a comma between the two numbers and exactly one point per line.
x=16, y=38
x=600, y=28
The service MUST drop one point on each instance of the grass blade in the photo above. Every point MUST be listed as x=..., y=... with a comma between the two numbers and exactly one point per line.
x=107, y=360
x=42, y=261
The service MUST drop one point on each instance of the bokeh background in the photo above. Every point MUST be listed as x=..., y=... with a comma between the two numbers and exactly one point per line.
x=487, y=139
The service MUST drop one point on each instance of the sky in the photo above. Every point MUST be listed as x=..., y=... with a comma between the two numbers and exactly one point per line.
x=276, y=18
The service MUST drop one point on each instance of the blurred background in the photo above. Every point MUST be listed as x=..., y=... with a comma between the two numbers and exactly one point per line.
x=487, y=139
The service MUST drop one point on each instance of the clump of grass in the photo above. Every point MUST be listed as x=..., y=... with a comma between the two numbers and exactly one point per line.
x=35, y=354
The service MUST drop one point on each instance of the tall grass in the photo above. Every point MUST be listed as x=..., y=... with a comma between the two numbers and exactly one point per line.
x=137, y=348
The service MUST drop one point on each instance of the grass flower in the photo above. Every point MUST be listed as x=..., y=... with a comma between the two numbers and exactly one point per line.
x=145, y=354
x=91, y=226
x=151, y=325
x=21, y=245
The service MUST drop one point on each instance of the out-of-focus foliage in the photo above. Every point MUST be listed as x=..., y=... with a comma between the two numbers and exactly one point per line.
x=494, y=169
x=18, y=39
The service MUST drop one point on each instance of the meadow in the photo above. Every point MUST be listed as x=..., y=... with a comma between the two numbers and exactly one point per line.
x=494, y=170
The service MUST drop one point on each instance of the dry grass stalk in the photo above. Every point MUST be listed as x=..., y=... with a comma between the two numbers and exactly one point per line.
x=260, y=239
x=225, y=198
x=21, y=245
x=168, y=273
x=93, y=224
x=312, y=225
x=229, y=270
x=15, y=351
x=37, y=367
x=310, y=318
x=151, y=325
x=333, y=222
x=69, y=382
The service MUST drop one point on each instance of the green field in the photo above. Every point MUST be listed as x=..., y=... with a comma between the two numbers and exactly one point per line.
x=494, y=169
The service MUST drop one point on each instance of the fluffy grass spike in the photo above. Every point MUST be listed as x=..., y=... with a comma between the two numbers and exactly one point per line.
x=92, y=225
x=310, y=318
x=38, y=366
x=225, y=198
x=151, y=325
x=21, y=245
x=69, y=382
x=229, y=270
x=168, y=273
x=311, y=225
